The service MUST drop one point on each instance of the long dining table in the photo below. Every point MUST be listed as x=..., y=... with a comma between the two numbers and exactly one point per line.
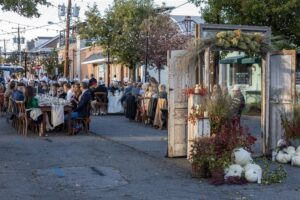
x=47, y=108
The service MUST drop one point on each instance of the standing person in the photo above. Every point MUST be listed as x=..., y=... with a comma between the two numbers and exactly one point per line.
x=86, y=79
x=92, y=81
x=76, y=79
x=238, y=103
x=115, y=79
x=216, y=93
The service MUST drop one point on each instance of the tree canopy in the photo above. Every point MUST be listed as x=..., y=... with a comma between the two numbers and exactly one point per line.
x=283, y=16
x=118, y=30
x=162, y=35
x=26, y=8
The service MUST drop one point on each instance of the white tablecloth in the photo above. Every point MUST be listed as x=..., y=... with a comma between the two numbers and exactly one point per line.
x=114, y=103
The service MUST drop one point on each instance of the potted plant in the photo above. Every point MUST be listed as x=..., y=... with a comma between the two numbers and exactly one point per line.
x=201, y=154
x=219, y=112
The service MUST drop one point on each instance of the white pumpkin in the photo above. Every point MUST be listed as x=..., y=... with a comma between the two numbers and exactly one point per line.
x=290, y=150
x=254, y=174
x=241, y=157
x=233, y=170
x=295, y=161
x=281, y=143
x=283, y=157
x=298, y=150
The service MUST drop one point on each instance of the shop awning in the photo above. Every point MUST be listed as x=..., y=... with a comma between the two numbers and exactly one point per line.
x=239, y=60
x=95, y=58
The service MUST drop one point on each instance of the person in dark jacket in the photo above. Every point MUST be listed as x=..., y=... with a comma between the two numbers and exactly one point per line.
x=92, y=81
x=83, y=109
x=84, y=101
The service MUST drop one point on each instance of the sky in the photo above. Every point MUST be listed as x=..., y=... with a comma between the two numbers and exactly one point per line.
x=10, y=20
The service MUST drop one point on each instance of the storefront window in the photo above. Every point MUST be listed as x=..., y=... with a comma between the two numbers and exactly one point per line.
x=240, y=74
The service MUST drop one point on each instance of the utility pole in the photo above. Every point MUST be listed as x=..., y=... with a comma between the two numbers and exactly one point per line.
x=67, y=41
x=25, y=62
x=4, y=47
x=19, y=44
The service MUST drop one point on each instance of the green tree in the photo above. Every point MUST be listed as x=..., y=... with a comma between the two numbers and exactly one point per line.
x=283, y=16
x=98, y=29
x=51, y=62
x=128, y=16
x=26, y=8
x=118, y=30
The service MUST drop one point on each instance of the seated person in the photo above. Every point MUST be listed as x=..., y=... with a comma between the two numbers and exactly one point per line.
x=18, y=95
x=43, y=88
x=68, y=91
x=76, y=94
x=30, y=100
x=54, y=89
x=60, y=93
x=82, y=109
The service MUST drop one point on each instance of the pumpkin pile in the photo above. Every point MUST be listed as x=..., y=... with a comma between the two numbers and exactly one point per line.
x=243, y=167
x=287, y=154
x=239, y=40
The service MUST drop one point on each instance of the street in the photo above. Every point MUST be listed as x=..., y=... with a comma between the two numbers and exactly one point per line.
x=117, y=160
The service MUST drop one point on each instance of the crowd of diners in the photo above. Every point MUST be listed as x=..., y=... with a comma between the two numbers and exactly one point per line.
x=140, y=100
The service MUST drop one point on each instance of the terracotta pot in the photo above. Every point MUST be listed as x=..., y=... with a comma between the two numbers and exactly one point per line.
x=200, y=171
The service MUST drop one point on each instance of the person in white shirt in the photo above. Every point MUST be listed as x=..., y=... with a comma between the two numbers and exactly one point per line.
x=115, y=79
x=76, y=79
x=68, y=90
x=45, y=78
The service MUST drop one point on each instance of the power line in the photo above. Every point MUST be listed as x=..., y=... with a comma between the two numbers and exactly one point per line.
x=26, y=25
x=34, y=28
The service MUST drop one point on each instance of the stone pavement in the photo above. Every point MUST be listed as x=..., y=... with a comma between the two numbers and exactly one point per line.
x=124, y=160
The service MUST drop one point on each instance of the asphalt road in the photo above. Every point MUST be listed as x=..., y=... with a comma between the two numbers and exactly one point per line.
x=121, y=160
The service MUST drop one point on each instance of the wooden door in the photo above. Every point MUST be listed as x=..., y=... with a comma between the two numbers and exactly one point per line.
x=281, y=90
x=180, y=77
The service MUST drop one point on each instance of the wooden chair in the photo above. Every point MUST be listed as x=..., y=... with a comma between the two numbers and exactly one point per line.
x=101, y=101
x=21, y=117
x=14, y=112
x=85, y=121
